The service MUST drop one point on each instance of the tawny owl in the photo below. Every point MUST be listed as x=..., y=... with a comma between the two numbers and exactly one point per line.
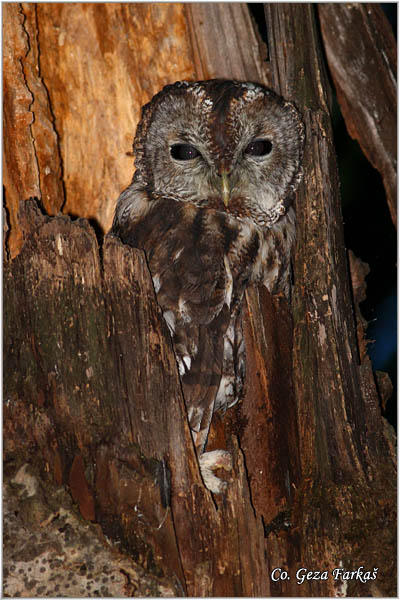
x=217, y=164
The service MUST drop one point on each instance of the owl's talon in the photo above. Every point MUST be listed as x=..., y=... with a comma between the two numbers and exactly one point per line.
x=216, y=459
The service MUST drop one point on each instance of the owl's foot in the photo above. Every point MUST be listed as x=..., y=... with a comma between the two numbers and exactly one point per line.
x=209, y=461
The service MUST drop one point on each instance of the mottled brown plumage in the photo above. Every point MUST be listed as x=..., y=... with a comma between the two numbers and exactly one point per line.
x=217, y=164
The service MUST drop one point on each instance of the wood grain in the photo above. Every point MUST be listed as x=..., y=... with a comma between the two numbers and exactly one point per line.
x=342, y=438
x=31, y=159
x=92, y=394
x=101, y=63
x=224, y=42
x=362, y=58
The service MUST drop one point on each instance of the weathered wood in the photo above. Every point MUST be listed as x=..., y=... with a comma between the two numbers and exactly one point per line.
x=31, y=159
x=101, y=63
x=92, y=384
x=344, y=454
x=269, y=436
x=362, y=58
x=92, y=394
x=224, y=30
x=91, y=389
x=52, y=552
x=75, y=78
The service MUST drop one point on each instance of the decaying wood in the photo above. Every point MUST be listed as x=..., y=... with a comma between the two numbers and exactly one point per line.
x=344, y=455
x=362, y=57
x=224, y=30
x=96, y=60
x=358, y=272
x=102, y=402
x=93, y=403
x=31, y=158
x=52, y=551
x=75, y=79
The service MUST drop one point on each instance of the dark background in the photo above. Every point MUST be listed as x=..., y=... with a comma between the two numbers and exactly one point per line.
x=369, y=233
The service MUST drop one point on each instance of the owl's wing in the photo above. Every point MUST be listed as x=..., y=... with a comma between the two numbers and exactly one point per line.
x=185, y=248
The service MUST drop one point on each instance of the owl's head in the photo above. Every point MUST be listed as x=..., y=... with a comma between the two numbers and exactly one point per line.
x=233, y=146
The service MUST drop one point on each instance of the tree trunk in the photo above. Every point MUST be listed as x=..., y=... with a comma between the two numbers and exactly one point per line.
x=362, y=58
x=344, y=451
x=93, y=404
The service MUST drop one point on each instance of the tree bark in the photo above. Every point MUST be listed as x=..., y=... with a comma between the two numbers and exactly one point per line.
x=75, y=79
x=31, y=158
x=92, y=382
x=344, y=452
x=362, y=58
x=93, y=403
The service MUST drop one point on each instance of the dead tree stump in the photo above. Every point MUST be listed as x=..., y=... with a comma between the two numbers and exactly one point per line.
x=95, y=427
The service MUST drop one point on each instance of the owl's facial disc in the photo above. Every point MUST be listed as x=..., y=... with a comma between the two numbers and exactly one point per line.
x=258, y=150
x=223, y=144
x=186, y=152
x=223, y=171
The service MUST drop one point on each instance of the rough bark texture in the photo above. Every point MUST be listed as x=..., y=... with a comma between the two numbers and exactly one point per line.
x=224, y=30
x=362, y=58
x=344, y=454
x=96, y=443
x=31, y=158
x=75, y=79
x=92, y=384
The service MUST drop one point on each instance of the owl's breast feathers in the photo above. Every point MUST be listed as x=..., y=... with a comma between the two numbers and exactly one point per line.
x=202, y=259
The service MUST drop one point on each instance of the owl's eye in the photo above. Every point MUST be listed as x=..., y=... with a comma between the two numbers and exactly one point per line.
x=258, y=148
x=184, y=152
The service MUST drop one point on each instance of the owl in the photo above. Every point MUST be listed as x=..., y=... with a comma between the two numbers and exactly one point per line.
x=217, y=164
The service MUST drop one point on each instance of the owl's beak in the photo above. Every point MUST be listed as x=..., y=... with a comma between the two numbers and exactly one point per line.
x=226, y=189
